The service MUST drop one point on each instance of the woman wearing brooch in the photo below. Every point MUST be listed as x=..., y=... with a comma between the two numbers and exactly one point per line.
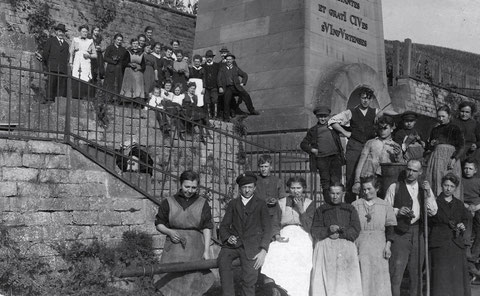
x=377, y=220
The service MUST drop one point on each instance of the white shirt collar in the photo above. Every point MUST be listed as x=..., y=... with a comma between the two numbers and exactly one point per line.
x=246, y=200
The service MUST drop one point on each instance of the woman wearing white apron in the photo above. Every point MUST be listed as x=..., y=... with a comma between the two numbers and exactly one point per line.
x=289, y=259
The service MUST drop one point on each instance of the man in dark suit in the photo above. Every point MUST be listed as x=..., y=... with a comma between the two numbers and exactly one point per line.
x=246, y=232
x=211, y=86
x=229, y=83
x=55, y=57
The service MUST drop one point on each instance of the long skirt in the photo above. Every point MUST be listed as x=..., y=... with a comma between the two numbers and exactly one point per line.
x=185, y=283
x=133, y=85
x=374, y=267
x=289, y=264
x=449, y=271
x=149, y=79
x=437, y=168
x=336, y=271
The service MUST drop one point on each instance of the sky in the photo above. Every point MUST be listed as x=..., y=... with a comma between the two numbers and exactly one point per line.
x=448, y=23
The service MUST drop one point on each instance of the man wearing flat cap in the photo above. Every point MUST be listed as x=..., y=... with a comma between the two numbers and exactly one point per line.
x=55, y=58
x=246, y=232
x=211, y=85
x=408, y=137
x=325, y=150
x=230, y=85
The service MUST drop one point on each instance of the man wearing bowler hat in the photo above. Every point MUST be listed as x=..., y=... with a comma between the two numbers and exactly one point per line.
x=246, y=232
x=55, y=58
x=230, y=85
x=325, y=150
x=211, y=86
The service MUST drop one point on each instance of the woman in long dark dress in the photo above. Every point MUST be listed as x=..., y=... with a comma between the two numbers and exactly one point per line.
x=113, y=56
x=134, y=63
x=149, y=76
x=447, y=145
x=98, y=68
x=446, y=243
x=186, y=220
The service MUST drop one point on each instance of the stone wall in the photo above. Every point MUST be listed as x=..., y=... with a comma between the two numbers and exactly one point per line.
x=52, y=193
x=128, y=17
x=424, y=98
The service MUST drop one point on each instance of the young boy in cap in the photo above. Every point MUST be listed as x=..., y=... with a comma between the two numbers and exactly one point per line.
x=246, y=232
x=325, y=150
x=409, y=138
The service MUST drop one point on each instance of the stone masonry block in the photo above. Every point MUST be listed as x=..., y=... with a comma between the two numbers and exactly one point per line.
x=108, y=232
x=133, y=218
x=19, y=174
x=109, y=218
x=85, y=218
x=10, y=159
x=54, y=176
x=80, y=190
x=61, y=217
x=47, y=147
x=12, y=145
x=31, y=189
x=84, y=176
x=8, y=189
x=33, y=160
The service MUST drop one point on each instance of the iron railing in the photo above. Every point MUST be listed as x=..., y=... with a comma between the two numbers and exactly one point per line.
x=123, y=135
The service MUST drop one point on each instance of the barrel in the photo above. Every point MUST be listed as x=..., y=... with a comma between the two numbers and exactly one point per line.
x=391, y=173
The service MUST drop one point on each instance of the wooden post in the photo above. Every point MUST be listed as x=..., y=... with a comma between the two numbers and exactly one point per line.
x=438, y=77
x=407, y=57
x=396, y=62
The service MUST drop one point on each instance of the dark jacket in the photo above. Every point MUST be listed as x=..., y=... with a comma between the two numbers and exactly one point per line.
x=310, y=141
x=211, y=75
x=56, y=56
x=444, y=222
x=250, y=224
x=237, y=72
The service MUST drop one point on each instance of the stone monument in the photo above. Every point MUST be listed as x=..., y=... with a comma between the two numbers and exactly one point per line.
x=298, y=54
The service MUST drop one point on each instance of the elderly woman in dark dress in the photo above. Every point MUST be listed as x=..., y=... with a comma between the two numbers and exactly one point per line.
x=186, y=220
x=447, y=247
x=447, y=145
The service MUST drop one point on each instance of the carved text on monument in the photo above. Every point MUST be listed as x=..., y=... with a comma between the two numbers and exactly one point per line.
x=340, y=32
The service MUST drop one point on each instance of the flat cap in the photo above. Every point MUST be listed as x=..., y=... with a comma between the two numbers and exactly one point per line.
x=321, y=110
x=409, y=115
x=246, y=178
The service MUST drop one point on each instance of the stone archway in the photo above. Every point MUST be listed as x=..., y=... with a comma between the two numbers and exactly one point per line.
x=340, y=90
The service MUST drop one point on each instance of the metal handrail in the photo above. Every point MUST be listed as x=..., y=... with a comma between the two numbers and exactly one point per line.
x=72, y=121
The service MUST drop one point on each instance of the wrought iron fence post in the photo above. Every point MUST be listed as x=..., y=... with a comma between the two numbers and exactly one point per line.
x=68, y=107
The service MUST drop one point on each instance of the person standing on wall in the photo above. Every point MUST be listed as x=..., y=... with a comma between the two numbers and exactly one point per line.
x=361, y=120
x=56, y=57
x=325, y=151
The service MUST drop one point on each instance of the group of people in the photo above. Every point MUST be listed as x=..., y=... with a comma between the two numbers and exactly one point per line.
x=363, y=238
x=146, y=69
